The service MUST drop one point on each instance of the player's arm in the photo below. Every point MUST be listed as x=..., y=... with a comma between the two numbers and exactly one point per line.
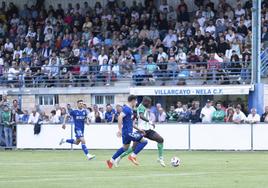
x=87, y=120
x=64, y=121
x=120, y=123
x=141, y=115
x=112, y=118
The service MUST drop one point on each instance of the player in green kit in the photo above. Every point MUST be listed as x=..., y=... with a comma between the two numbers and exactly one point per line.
x=144, y=123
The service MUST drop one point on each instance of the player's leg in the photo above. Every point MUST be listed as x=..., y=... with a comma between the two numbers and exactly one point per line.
x=126, y=153
x=154, y=136
x=76, y=141
x=139, y=144
x=117, y=154
x=84, y=148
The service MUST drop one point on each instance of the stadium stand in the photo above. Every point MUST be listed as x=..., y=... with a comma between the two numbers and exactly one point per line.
x=141, y=44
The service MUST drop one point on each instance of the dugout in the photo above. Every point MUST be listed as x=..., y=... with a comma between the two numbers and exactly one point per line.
x=168, y=96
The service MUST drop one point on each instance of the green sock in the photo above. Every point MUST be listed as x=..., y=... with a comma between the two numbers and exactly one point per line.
x=130, y=150
x=160, y=147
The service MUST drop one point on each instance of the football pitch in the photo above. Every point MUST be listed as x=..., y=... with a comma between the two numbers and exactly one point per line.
x=199, y=169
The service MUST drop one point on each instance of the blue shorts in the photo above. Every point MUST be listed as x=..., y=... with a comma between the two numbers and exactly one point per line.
x=134, y=136
x=79, y=133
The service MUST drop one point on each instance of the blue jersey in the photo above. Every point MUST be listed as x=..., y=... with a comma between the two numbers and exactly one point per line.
x=109, y=115
x=79, y=117
x=127, y=120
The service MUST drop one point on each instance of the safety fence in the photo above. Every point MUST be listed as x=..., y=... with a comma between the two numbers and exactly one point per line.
x=177, y=136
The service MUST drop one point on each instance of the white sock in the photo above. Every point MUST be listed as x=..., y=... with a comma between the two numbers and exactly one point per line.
x=112, y=160
x=88, y=155
x=133, y=155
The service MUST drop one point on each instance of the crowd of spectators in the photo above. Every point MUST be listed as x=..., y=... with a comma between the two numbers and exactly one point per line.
x=81, y=45
x=11, y=114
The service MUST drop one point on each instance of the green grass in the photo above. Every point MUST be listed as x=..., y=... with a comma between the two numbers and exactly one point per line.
x=60, y=169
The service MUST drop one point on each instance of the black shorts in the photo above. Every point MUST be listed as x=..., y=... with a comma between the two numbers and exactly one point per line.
x=150, y=134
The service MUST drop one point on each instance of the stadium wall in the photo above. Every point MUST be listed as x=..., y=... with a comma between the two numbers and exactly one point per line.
x=177, y=136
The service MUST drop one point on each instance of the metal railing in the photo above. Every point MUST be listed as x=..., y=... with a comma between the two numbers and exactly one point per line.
x=136, y=74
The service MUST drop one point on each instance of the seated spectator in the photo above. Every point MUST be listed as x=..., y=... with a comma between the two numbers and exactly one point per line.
x=183, y=116
x=239, y=116
x=109, y=115
x=264, y=117
x=253, y=117
x=218, y=115
x=207, y=112
x=229, y=115
x=172, y=115
x=162, y=116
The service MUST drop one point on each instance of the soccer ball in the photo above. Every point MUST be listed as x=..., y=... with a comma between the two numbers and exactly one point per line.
x=175, y=162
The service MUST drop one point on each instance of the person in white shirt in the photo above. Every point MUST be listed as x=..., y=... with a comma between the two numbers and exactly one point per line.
x=239, y=11
x=34, y=117
x=169, y=38
x=253, y=117
x=102, y=57
x=12, y=72
x=28, y=50
x=31, y=34
x=162, y=116
x=207, y=112
x=179, y=108
x=96, y=116
x=162, y=54
x=54, y=117
x=230, y=37
x=17, y=52
x=164, y=6
x=211, y=28
x=239, y=116
x=181, y=56
x=9, y=47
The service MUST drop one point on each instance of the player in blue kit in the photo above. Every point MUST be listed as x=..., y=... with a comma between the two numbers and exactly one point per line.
x=79, y=116
x=125, y=126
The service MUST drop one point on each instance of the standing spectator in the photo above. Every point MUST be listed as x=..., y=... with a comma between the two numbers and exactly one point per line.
x=8, y=122
x=194, y=113
x=253, y=117
x=54, y=118
x=239, y=116
x=34, y=117
x=96, y=115
x=109, y=115
x=218, y=115
x=25, y=117
x=118, y=110
x=162, y=116
x=264, y=117
x=179, y=107
x=207, y=112
x=172, y=115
